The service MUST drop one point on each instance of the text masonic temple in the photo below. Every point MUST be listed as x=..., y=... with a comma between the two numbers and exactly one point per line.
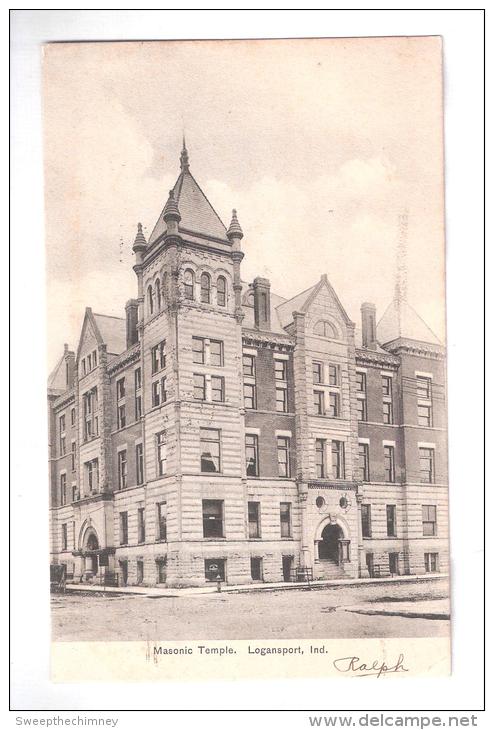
x=222, y=430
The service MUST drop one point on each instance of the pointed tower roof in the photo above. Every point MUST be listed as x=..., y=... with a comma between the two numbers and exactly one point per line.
x=401, y=320
x=197, y=213
x=140, y=240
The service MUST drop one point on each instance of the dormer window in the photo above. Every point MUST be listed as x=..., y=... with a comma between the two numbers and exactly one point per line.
x=221, y=291
x=189, y=281
x=205, y=288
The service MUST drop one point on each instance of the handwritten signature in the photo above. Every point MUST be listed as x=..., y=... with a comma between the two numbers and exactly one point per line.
x=376, y=669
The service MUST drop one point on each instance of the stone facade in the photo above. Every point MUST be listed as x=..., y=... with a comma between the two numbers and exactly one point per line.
x=220, y=430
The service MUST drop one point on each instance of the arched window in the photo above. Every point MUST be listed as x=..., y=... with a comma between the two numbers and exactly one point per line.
x=150, y=299
x=157, y=288
x=189, y=281
x=205, y=288
x=325, y=329
x=221, y=291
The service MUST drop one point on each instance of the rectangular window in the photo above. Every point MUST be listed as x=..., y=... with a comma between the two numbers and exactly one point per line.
x=254, y=520
x=137, y=379
x=286, y=519
x=121, y=416
x=317, y=373
x=212, y=517
x=161, y=521
x=161, y=453
x=426, y=457
x=391, y=520
x=248, y=364
x=249, y=396
x=361, y=409
x=281, y=400
x=139, y=571
x=363, y=453
x=334, y=405
x=124, y=528
x=210, y=450
x=92, y=474
x=429, y=520
x=252, y=455
x=63, y=489
x=161, y=570
x=72, y=417
x=90, y=404
x=62, y=435
x=424, y=388
x=122, y=469
x=256, y=569
x=217, y=389
x=319, y=402
x=283, y=448
x=158, y=357
x=74, y=494
x=280, y=369
x=338, y=459
x=121, y=389
x=361, y=379
x=141, y=525
x=138, y=406
x=199, y=387
x=387, y=391
x=366, y=521
x=216, y=353
x=424, y=415
x=333, y=375
x=394, y=565
x=389, y=464
x=64, y=536
x=159, y=393
x=320, y=458
x=198, y=350
x=431, y=561
x=72, y=455
x=139, y=464
x=138, y=395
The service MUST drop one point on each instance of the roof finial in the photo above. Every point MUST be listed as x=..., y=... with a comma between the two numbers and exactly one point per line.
x=171, y=212
x=140, y=241
x=234, y=229
x=184, y=157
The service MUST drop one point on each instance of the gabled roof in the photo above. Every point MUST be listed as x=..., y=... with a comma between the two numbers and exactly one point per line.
x=197, y=213
x=108, y=330
x=56, y=379
x=301, y=302
x=401, y=320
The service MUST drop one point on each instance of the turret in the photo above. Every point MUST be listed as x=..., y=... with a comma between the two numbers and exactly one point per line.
x=234, y=232
x=171, y=215
x=140, y=244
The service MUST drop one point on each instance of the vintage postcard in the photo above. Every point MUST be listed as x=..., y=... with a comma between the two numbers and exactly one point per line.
x=247, y=376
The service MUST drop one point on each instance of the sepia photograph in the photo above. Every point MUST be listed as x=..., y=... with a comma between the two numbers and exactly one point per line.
x=246, y=340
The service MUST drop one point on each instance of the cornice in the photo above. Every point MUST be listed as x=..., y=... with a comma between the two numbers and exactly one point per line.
x=126, y=358
x=64, y=399
x=415, y=347
x=376, y=358
x=267, y=339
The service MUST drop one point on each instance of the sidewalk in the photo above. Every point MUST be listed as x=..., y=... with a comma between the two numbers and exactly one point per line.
x=254, y=587
x=434, y=609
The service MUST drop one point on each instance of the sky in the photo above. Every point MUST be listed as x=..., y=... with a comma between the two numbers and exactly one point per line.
x=321, y=145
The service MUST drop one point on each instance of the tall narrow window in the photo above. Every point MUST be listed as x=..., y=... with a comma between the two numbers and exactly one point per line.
x=334, y=405
x=150, y=299
x=366, y=521
x=158, y=357
x=280, y=369
x=198, y=350
x=391, y=520
x=389, y=464
x=317, y=373
x=161, y=521
x=141, y=525
x=212, y=517
x=221, y=291
x=63, y=489
x=248, y=362
x=387, y=391
x=91, y=469
x=286, y=519
x=189, y=284
x=64, y=536
x=122, y=469
x=319, y=402
x=124, y=528
x=361, y=396
x=199, y=386
x=282, y=400
x=338, y=459
x=63, y=436
x=424, y=401
x=254, y=520
x=251, y=455
x=72, y=455
x=205, y=288
x=283, y=449
x=217, y=389
x=210, y=450
x=158, y=391
x=426, y=457
x=320, y=458
x=157, y=289
x=363, y=452
x=72, y=416
x=216, y=353
x=138, y=394
x=333, y=375
x=249, y=396
x=139, y=464
x=161, y=453
x=429, y=520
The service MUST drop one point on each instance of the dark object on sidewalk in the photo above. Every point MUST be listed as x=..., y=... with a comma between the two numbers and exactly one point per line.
x=58, y=577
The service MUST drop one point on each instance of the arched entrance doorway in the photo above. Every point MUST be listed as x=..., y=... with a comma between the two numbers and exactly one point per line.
x=90, y=548
x=329, y=544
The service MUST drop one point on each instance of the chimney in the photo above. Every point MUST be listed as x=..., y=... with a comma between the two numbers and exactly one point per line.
x=131, y=316
x=69, y=366
x=368, y=311
x=262, y=303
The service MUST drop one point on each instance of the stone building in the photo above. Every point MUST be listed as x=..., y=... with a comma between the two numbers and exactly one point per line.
x=220, y=429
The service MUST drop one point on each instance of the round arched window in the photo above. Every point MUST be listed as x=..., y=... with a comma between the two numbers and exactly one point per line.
x=221, y=291
x=150, y=299
x=320, y=502
x=205, y=288
x=189, y=281
x=325, y=329
x=157, y=288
